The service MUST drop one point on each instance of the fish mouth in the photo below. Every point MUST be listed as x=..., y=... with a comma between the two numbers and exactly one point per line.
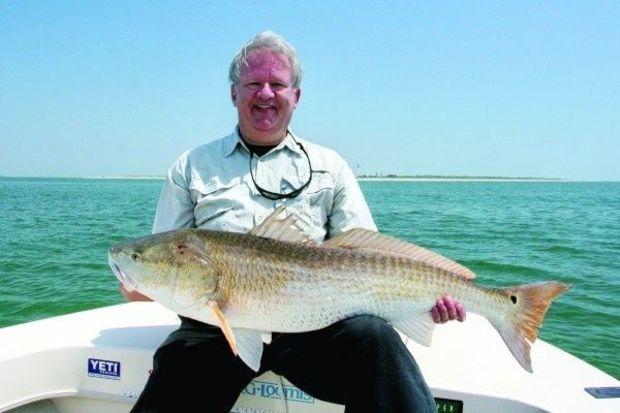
x=127, y=282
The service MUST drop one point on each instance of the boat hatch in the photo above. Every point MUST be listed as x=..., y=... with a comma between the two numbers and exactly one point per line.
x=604, y=392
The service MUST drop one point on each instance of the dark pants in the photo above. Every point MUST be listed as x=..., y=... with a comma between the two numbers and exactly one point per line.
x=360, y=362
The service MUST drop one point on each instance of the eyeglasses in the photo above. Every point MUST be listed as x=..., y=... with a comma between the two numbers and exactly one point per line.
x=277, y=195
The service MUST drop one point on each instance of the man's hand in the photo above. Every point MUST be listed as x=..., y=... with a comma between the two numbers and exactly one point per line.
x=133, y=295
x=446, y=308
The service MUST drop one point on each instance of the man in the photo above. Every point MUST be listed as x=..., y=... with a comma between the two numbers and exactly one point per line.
x=232, y=184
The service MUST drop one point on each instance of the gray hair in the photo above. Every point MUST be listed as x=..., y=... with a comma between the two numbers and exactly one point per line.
x=265, y=40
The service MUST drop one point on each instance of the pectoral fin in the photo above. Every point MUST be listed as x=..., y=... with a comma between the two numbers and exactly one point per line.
x=420, y=328
x=244, y=343
x=228, y=333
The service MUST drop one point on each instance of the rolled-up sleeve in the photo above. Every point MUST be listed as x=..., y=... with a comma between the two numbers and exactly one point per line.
x=175, y=208
x=349, y=209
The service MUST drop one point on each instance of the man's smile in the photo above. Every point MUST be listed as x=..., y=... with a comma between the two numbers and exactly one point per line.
x=265, y=106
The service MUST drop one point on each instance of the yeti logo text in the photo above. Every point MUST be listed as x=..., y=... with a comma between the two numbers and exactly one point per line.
x=104, y=369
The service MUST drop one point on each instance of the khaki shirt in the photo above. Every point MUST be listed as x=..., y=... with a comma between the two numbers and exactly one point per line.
x=210, y=187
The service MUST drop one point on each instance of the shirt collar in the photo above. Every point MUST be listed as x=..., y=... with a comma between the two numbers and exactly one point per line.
x=234, y=140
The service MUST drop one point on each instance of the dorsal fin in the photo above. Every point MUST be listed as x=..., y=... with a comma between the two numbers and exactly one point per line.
x=281, y=226
x=364, y=239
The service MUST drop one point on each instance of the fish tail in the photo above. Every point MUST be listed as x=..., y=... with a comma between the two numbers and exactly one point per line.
x=530, y=303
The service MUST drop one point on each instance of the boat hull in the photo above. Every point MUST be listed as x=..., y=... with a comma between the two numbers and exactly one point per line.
x=99, y=361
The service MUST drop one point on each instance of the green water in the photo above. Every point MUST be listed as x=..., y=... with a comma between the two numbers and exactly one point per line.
x=54, y=234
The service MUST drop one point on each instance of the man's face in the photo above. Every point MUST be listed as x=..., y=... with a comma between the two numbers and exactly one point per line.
x=265, y=98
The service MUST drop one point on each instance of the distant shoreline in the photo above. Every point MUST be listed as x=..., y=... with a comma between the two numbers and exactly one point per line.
x=404, y=178
x=457, y=179
x=128, y=177
x=429, y=177
x=119, y=177
x=361, y=178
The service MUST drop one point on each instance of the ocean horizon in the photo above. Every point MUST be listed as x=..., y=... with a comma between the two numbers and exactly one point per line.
x=361, y=178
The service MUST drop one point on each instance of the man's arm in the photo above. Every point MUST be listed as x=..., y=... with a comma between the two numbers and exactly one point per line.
x=175, y=210
x=349, y=208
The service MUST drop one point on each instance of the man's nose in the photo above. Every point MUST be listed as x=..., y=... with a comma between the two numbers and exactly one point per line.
x=266, y=92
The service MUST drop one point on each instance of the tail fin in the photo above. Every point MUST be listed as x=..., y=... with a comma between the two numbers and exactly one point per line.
x=520, y=327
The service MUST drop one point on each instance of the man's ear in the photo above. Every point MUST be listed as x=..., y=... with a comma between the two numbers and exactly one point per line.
x=297, y=95
x=233, y=95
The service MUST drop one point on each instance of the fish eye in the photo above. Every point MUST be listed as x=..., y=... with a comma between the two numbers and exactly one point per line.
x=513, y=298
x=135, y=256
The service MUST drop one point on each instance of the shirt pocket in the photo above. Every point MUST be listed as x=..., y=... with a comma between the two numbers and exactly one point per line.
x=216, y=201
x=318, y=198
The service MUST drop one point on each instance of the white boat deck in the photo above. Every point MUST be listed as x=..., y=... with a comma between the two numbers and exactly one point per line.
x=44, y=368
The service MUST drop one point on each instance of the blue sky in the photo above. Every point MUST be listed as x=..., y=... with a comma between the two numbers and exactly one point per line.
x=471, y=88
